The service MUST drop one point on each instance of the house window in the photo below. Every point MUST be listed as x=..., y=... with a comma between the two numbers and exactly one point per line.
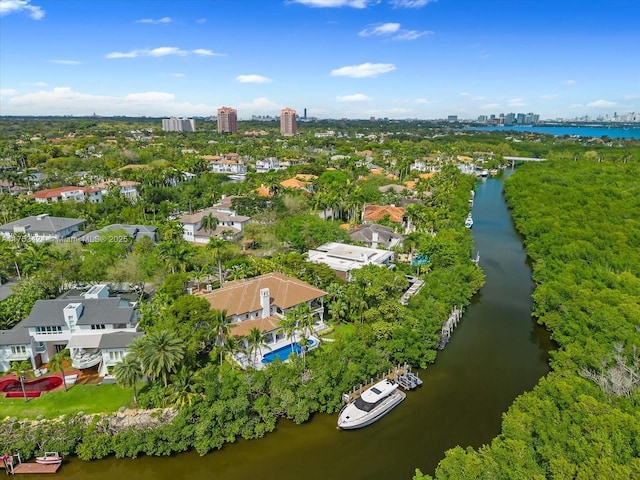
x=115, y=356
x=98, y=327
x=49, y=330
x=18, y=349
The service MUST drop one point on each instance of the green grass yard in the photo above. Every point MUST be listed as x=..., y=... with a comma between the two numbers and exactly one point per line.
x=79, y=398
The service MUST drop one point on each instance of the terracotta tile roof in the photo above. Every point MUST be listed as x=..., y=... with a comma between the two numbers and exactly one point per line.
x=410, y=184
x=377, y=212
x=293, y=183
x=264, y=324
x=427, y=175
x=56, y=192
x=221, y=216
x=243, y=296
x=263, y=191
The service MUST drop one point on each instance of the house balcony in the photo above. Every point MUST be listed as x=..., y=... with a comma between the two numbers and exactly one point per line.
x=17, y=357
x=85, y=359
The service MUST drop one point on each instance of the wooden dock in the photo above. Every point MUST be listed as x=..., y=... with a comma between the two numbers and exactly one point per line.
x=14, y=466
x=401, y=374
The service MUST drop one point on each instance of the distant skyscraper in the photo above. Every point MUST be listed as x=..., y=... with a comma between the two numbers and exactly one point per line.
x=227, y=120
x=288, y=126
x=174, y=124
x=305, y=114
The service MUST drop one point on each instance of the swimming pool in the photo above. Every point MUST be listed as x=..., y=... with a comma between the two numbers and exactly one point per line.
x=283, y=353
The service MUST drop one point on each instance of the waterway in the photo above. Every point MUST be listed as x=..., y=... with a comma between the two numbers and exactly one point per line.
x=494, y=355
x=611, y=131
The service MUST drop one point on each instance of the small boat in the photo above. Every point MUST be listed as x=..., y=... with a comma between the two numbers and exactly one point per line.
x=49, y=458
x=371, y=405
x=468, y=222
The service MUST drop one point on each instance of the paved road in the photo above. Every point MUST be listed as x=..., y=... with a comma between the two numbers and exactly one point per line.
x=5, y=289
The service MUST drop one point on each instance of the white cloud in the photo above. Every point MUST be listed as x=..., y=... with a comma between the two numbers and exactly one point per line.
x=8, y=7
x=490, y=106
x=363, y=70
x=253, y=78
x=410, y=3
x=65, y=101
x=548, y=96
x=260, y=106
x=65, y=62
x=34, y=84
x=163, y=52
x=423, y=101
x=177, y=75
x=601, y=103
x=516, y=102
x=335, y=3
x=159, y=20
x=412, y=34
x=380, y=29
x=570, y=82
x=8, y=92
x=201, y=21
x=357, y=97
x=393, y=30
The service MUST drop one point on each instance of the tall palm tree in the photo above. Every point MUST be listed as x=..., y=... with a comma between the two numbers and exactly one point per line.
x=209, y=222
x=218, y=246
x=22, y=370
x=58, y=362
x=231, y=346
x=160, y=353
x=289, y=325
x=255, y=340
x=221, y=326
x=128, y=372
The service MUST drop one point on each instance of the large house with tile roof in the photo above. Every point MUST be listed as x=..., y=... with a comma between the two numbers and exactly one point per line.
x=230, y=225
x=261, y=302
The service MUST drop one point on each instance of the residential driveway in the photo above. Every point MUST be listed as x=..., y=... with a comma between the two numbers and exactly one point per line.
x=5, y=289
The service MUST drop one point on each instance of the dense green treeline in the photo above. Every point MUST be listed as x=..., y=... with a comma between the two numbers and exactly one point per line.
x=581, y=226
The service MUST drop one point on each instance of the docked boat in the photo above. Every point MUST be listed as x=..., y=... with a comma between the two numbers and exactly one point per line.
x=371, y=405
x=469, y=221
x=49, y=458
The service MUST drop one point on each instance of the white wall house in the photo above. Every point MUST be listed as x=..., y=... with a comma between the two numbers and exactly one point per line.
x=343, y=258
x=42, y=228
x=267, y=165
x=65, y=194
x=261, y=302
x=94, y=326
x=229, y=225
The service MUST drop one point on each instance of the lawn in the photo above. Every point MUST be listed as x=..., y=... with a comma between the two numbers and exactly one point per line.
x=341, y=329
x=79, y=398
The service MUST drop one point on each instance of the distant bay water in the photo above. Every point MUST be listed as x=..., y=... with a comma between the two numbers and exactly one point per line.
x=561, y=130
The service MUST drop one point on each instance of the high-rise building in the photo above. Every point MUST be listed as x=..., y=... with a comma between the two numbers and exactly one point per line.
x=227, y=120
x=288, y=126
x=175, y=124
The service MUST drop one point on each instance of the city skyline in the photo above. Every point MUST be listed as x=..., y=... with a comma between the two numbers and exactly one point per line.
x=392, y=59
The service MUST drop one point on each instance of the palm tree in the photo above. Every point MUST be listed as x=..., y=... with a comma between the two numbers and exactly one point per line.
x=185, y=388
x=218, y=245
x=221, y=326
x=128, y=372
x=289, y=324
x=22, y=370
x=58, y=361
x=209, y=222
x=231, y=346
x=255, y=340
x=172, y=231
x=160, y=353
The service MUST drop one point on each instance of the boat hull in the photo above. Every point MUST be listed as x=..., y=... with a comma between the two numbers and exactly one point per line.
x=391, y=402
x=48, y=461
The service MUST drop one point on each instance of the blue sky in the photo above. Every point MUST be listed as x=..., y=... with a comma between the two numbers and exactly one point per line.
x=337, y=58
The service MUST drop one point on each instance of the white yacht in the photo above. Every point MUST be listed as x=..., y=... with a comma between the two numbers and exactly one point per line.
x=469, y=221
x=371, y=405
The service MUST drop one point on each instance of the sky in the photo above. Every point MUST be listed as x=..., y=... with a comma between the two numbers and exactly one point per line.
x=398, y=59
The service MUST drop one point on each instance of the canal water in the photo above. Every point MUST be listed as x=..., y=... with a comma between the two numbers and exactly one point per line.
x=495, y=354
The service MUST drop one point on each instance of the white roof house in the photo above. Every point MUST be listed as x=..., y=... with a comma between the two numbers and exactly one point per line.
x=342, y=257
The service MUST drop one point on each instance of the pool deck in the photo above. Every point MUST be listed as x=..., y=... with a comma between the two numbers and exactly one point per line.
x=246, y=362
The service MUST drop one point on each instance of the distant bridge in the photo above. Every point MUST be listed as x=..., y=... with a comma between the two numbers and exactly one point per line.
x=513, y=160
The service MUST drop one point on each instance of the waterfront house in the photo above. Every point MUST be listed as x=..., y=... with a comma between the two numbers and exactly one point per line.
x=261, y=302
x=134, y=231
x=96, y=327
x=343, y=258
x=376, y=236
x=42, y=228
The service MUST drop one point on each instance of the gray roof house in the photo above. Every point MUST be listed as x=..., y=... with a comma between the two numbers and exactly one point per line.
x=42, y=228
x=96, y=327
x=15, y=345
x=376, y=236
x=135, y=231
